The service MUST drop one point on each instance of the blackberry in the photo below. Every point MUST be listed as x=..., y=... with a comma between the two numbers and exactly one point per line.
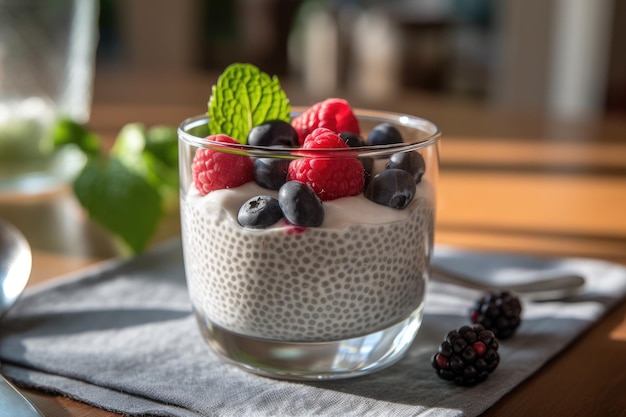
x=467, y=356
x=498, y=311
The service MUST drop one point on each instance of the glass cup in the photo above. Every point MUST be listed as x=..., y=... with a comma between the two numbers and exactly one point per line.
x=307, y=303
x=47, y=52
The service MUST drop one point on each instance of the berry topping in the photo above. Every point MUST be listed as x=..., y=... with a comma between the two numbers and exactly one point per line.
x=412, y=162
x=270, y=173
x=273, y=133
x=368, y=168
x=498, y=311
x=467, y=356
x=300, y=205
x=259, y=212
x=394, y=188
x=384, y=134
x=331, y=178
x=353, y=140
x=333, y=113
x=214, y=170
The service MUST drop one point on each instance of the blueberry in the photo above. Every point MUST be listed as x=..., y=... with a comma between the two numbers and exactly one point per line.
x=300, y=205
x=384, y=134
x=273, y=133
x=352, y=139
x=368, y=168
x=259, y=212
x=394, y=188
x=412, y=162
x=270, y=172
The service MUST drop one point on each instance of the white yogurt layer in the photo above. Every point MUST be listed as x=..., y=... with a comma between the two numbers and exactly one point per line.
x=363, y=270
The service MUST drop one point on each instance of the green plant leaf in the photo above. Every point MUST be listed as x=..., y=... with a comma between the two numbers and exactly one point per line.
x=119, y=199
x=150, y=153
x=68, y=132
x=244, y=97
x=127, y=190
x=162, y=142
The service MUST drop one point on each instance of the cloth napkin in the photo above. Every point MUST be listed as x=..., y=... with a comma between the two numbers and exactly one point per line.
x=121, y=337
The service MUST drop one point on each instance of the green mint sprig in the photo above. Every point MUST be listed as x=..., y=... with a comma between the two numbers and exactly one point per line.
x=244, y=97
x=129, y=189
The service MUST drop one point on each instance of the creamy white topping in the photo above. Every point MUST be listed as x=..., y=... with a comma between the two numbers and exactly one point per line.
x=338, y=213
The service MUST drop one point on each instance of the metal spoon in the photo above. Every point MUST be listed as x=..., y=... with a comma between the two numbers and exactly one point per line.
x=15, y=266
x=550, y=288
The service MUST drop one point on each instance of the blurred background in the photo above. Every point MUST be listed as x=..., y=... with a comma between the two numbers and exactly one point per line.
x=530, y=96
x=564, y=58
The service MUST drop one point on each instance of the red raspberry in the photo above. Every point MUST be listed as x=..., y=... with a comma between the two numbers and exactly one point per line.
x=214, y=170
x=331, y=178
x=333, y=113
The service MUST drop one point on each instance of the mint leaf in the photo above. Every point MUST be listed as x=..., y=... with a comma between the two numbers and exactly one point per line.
x=120, y=200
x=245, y=97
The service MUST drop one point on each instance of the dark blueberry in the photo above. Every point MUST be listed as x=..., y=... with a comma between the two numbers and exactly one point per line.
x=259, y=212
x=352, y=139
x=384, y=134
x=300, y=205
x=273, y=133
x=368, y=168
x=412, y=162
x=270, y=172
x=394, y=188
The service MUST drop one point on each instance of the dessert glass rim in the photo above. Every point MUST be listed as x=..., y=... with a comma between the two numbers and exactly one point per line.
x=431, y=130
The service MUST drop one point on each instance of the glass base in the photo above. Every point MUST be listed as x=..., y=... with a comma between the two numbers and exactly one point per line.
x=40, y=176
x=338, y=359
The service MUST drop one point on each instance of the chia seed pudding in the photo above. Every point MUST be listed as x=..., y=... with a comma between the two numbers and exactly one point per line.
x=364, y=269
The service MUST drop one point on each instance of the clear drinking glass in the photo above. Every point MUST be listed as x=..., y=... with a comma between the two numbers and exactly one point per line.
x=335, y=301
x=47, y=52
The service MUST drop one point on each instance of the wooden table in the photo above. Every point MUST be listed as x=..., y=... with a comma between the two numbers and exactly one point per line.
x=509, y=182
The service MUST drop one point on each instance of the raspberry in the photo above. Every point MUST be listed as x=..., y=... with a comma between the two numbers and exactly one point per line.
x=333, y=113
x=214, y=170
x=498, y=311
x=330, y=178
x=467, y=356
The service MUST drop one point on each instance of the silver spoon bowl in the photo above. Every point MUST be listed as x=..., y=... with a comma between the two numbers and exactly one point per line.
x=15, y=266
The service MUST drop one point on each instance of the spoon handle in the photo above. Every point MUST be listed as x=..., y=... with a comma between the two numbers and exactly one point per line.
x=14, y=403
x=551, y=288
